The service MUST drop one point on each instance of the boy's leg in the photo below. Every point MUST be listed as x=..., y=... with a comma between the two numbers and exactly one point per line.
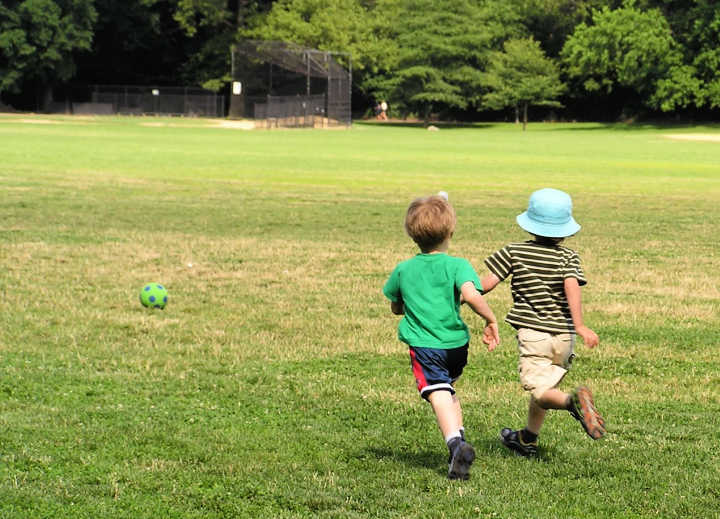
x=446, y=408
x=459, y=415
x=580, y=405
x=536, y=417
x=524, y=442
x=436, y=371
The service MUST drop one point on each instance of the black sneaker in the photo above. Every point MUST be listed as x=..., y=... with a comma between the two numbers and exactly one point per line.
x=513, y=441
x=583, y=410
x=462, y=458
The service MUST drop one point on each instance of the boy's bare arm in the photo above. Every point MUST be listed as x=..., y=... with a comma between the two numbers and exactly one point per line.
x=476, y=301
x=574, y=299
x=489, y=282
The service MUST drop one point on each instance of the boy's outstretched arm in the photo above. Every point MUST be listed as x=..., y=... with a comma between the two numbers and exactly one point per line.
x=489, y=282
x=474, y=299
x=574, y=299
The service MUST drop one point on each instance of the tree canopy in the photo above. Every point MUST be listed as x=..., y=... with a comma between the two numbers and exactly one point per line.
x=522, y=76
x=448, y=58
x=632, y=49
x=40, y=38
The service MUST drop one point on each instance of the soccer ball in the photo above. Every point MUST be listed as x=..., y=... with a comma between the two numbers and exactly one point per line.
x=154, y=295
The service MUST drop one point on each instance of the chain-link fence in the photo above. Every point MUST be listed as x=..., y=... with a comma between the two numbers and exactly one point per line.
x=288, y=111
x=283, y=85
x=151, y=100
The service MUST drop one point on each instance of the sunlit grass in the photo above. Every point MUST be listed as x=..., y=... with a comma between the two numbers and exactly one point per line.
x=273, y=384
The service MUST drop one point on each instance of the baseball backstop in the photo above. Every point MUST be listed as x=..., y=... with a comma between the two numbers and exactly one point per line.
x=281, y=84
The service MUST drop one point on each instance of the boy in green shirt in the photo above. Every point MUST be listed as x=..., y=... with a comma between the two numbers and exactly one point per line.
x=428, y=290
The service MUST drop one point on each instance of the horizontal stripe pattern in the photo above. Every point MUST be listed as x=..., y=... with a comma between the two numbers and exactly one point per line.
x=538, y=284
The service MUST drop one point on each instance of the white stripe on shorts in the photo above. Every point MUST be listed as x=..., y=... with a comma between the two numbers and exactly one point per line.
x=435, y=387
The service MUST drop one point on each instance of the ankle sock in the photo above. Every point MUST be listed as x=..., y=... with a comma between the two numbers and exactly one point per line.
x=453, y=443
x=527, y=436
x=571, y=405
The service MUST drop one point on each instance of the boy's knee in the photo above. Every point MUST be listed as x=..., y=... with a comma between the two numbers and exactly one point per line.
x=551, y=398
x=540, y=399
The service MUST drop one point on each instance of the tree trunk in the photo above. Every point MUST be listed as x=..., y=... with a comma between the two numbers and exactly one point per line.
x=44, y=97
x=426, y=118
x=517, y=114
x=524, y=116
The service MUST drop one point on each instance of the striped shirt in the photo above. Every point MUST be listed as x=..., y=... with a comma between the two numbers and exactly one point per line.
x=538, y=284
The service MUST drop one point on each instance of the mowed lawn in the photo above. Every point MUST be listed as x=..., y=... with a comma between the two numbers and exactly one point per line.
x=273, y=384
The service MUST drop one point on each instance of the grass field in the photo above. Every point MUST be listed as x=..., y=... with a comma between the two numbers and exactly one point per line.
x=273, y=385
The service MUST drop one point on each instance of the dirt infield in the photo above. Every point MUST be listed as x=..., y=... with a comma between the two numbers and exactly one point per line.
x=707, y=137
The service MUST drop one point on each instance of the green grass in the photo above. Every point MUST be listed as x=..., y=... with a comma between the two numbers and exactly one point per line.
x=273, y=384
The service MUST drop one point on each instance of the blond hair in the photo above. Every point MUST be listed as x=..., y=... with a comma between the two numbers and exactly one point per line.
x=430, y=221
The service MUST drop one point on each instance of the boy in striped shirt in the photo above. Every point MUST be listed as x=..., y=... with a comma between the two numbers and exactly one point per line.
x=547, y=314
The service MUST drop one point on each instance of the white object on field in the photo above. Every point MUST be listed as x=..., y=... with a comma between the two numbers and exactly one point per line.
x=443, y=194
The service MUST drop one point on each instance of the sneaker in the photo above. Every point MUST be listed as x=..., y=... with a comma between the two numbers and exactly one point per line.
x=583, y=410
x=513, y=441
x=462, y=458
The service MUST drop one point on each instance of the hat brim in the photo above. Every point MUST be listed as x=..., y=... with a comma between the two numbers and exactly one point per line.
x=548, y=230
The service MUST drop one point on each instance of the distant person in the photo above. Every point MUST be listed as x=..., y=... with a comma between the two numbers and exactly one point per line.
x=378, y=110
x=547, y=314
x=427, y=290
x=383, y=111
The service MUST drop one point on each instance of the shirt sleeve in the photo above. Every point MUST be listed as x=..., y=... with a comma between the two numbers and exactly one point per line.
x=500, y=263
x=392, y=286
x=573, y=269
x=465, y=273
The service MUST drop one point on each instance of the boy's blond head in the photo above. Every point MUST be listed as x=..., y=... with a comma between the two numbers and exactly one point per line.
x=430, y=221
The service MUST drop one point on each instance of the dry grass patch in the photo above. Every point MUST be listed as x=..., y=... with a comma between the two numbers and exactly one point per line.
x=706, y=137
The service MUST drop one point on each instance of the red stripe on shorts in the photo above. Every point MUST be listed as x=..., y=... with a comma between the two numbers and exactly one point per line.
x=417, y=371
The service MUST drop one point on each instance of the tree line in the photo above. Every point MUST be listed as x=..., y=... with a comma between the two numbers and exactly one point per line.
x=455, y=59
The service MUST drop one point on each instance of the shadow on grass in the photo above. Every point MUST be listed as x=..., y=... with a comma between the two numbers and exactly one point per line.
x=628, y=127
x=420, y=125
x=422, y=459
x=437, y=458
x=585, y=126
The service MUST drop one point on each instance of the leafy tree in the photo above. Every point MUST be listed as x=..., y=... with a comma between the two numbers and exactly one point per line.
x=39, y=40
x=520, y=77
x=357, y=27
x=550, y=22
x=331, y=25
x=439, y=49
x=633, y=49
x=696, y=27
x=703, y=49
x=215, y=25
x=135, y=42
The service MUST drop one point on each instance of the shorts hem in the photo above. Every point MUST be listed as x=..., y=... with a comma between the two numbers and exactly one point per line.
x=550, y=383
x=427, y=390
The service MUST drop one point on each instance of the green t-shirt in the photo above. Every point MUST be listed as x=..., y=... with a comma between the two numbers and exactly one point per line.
x=429, y=287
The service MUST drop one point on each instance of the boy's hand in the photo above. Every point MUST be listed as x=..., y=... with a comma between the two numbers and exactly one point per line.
x=589, y=337
x=491, y=336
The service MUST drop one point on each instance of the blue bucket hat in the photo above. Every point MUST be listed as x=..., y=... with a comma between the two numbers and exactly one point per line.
x=549, y=214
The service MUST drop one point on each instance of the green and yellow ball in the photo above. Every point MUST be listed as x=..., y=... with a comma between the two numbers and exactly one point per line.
x=154, y=295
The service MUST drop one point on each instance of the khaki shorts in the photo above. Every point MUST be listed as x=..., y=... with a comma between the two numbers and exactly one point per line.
x=545, y=359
